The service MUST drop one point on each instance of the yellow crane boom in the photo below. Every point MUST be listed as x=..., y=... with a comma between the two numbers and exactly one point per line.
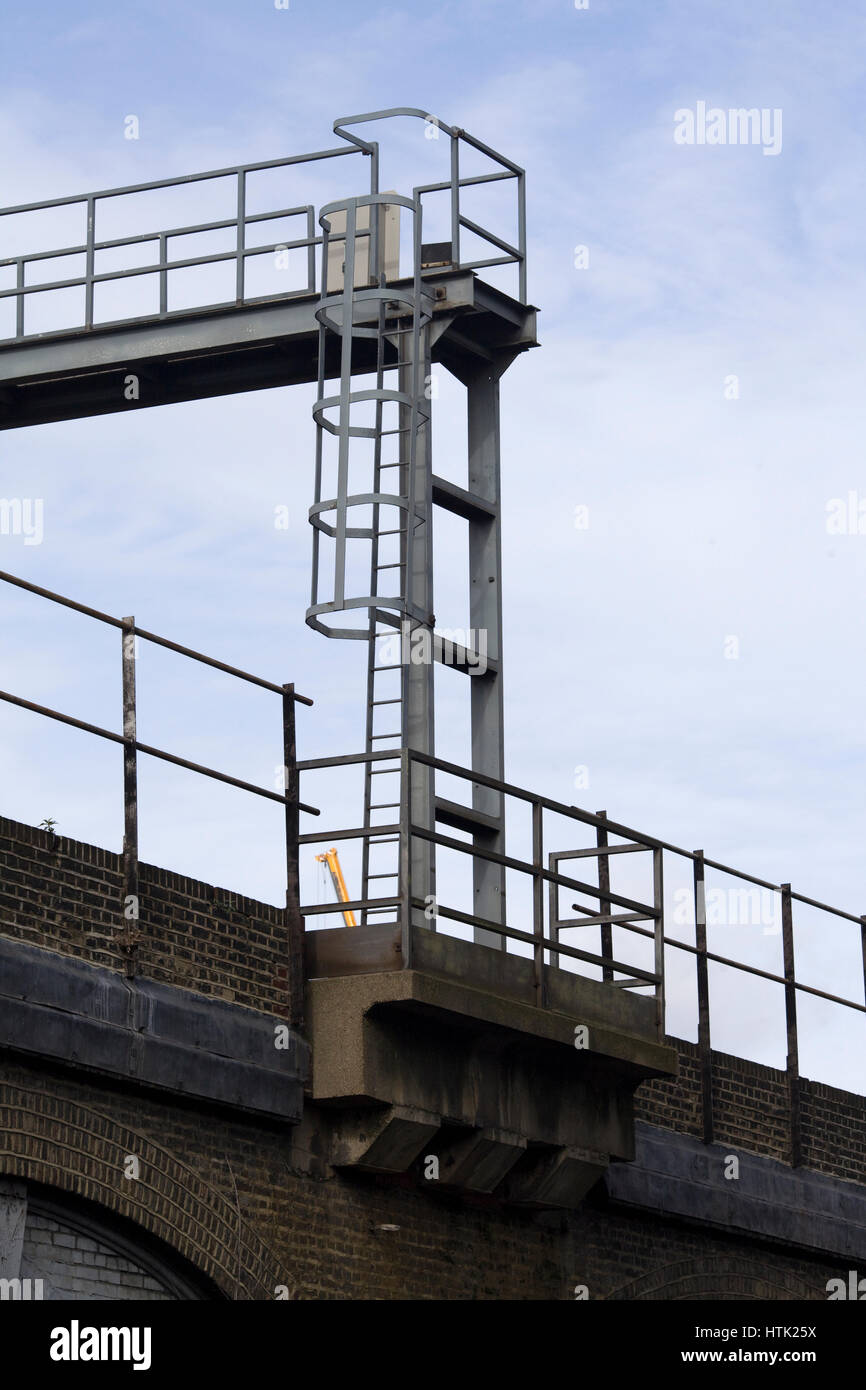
x=332, y=859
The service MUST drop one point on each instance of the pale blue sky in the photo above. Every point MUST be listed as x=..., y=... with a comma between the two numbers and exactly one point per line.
x=707, y=515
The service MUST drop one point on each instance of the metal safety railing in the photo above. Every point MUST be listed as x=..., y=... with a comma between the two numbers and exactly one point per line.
x=92, y=246
x=544, y=939
x=541, y=929
x=288, y=798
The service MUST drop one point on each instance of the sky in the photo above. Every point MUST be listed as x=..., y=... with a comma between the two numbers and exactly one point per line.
x=682, y=458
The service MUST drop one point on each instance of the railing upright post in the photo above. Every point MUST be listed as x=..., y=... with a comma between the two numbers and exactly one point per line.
x=131, y=897
x=89, y=263
x=405, y=886
x=659, y=935
x=521, y=234
x=294, y=920
x=705, y=1055
x=604, y=903
x=241, y=236
x=793, y=1058
x=163, y=275
x=311, y=252
x=19, y=300
x=455, y=199
x=538, y=902
x=863, y=953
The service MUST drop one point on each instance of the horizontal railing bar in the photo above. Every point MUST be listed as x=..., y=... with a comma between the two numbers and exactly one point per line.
x=613, y=827
x=522, y=866
x=148, y=636
x=464, y=182
x=356, y=905
x=346, y=759
x=491, y=153
x=490, y=236
x=26, y=257
x=755, y=970
x=153, y=268
x=493, y=260
x=811, y=902
x=219, y=665
x=675, y=942
x=181, y=181
x=603, y=919
x=596, y=850
x=153, y=752
x=357, y=833
x=195, y=229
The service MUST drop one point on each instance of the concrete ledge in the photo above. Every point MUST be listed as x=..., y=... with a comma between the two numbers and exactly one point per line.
x=500, y=1076
x=676, y=1175
x=83, y=1015
x=348, y=999
x=335, y=953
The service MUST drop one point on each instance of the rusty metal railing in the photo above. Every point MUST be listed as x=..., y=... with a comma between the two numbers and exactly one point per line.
x=132, y=747
x=609, y=911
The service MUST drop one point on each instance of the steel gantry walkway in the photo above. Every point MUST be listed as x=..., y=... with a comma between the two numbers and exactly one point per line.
x=365, y=301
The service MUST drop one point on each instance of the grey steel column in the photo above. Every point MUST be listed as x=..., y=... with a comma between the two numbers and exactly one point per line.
x=485, y=613
x=417, y=676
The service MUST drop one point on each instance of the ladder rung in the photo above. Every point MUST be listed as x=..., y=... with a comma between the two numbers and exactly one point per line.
x=385, y=771
x=396, y=565
x=378, y=736
x=394, y=840
x=395, y=874
x=395, y=701
x=384, y=805
x=396, y=665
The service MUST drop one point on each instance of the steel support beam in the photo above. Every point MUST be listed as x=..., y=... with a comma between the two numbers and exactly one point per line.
x=417, y=677
x=485, y=617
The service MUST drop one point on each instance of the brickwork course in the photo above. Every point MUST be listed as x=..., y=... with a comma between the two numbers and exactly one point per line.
x=252, y=1211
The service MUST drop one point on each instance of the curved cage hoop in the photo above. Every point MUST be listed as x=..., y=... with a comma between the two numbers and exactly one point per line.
x=365, y=517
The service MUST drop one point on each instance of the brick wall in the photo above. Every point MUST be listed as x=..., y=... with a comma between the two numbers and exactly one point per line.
x=750, y=1111
x=254, y=1210
x=77, y=1266
x=67, y=896
x=210, y=1188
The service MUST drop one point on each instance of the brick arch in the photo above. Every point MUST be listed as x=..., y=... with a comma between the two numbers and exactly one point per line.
x=65, y=1145
x=721, y=1276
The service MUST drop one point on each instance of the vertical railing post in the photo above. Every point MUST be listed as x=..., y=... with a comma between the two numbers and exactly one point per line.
x=553, y=908
x=163, y=275
x=19, y=301
x=455, y=200
x=311, y=252
x=294, y=921
x=89, y=263
x=241, y=235
x=793, y=1058
x=405, y=889
x=705, y=1056
x=538, y=902
x=131, y=897
x=863, y=953
x=604, y=902
x=659, y=923
x=521, y=234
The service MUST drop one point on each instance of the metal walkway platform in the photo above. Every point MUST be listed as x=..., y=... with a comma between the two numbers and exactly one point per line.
x=217, y=352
